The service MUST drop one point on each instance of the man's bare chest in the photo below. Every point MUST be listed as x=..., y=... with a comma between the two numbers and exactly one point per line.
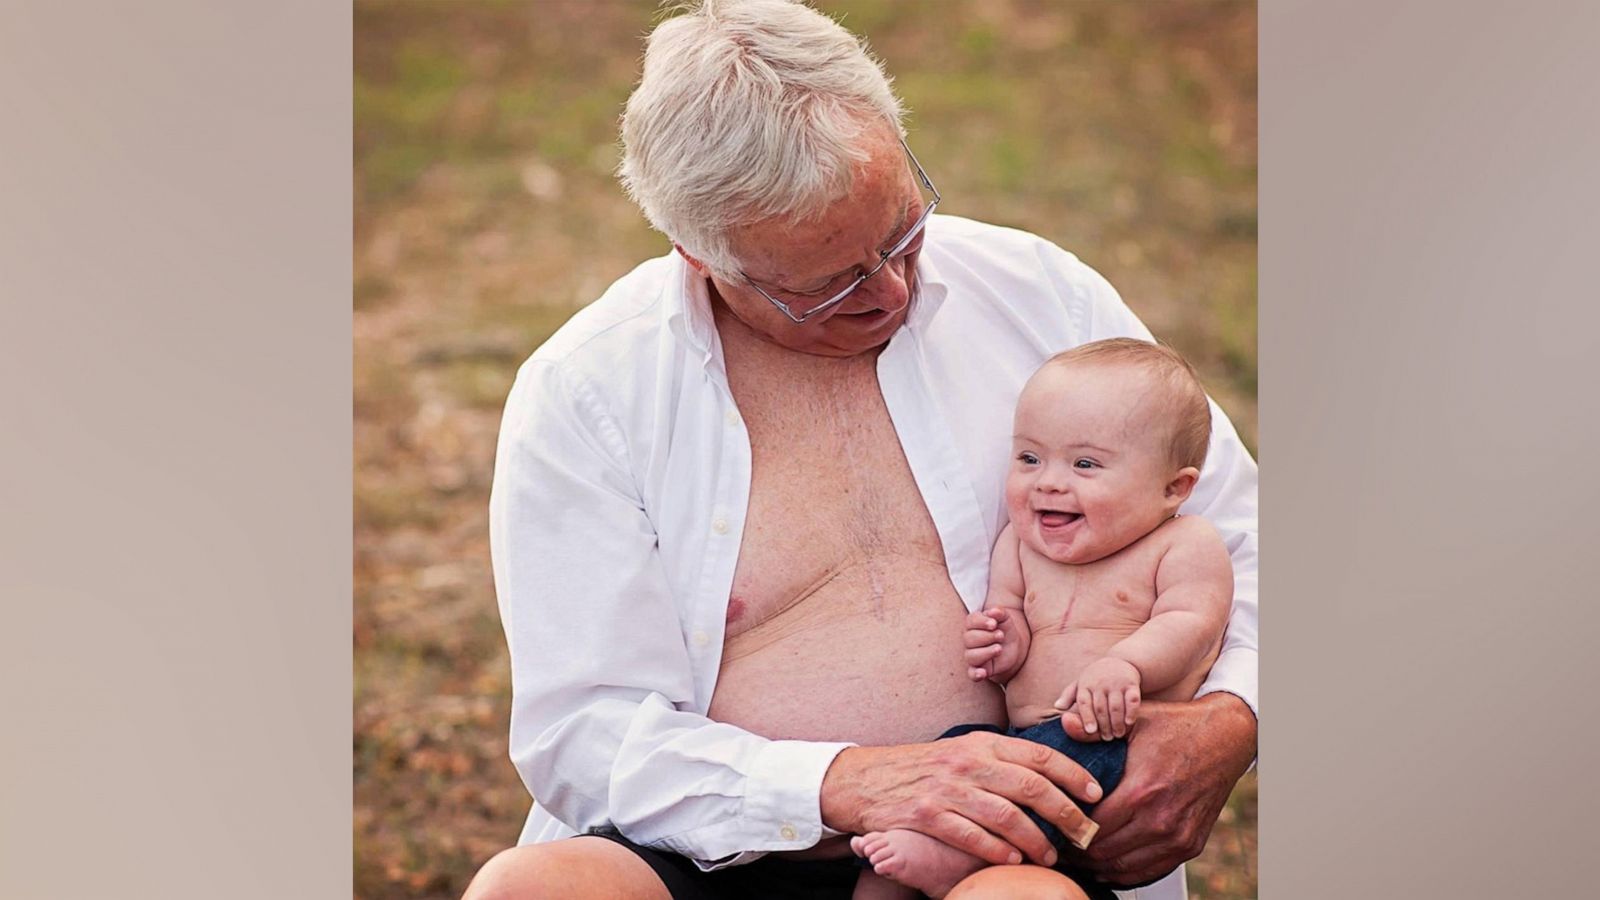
x=834, y=513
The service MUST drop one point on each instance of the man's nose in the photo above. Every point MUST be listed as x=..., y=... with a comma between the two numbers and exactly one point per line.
x=888, y=289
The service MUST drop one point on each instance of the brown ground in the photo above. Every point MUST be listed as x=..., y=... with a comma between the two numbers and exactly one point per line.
x=485, y=212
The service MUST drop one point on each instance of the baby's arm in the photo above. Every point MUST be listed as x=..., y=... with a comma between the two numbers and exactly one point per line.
x=1194, y=593
x=997, y=639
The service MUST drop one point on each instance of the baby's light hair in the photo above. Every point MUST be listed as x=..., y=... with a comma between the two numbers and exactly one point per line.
x=1183, y=408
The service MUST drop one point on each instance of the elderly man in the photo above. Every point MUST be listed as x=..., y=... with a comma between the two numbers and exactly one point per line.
x=743, y=502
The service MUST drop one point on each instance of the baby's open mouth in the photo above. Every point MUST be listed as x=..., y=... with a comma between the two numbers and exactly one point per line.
x=1052, y=519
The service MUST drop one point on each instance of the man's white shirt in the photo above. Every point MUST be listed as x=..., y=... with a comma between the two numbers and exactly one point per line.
x=620, y=488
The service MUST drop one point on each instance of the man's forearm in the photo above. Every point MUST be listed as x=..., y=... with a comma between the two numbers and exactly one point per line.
x=1234, y=721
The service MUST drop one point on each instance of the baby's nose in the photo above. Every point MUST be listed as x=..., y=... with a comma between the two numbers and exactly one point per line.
x=1052, y=481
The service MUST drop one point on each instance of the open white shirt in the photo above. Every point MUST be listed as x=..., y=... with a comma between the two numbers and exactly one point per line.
x=620, y=490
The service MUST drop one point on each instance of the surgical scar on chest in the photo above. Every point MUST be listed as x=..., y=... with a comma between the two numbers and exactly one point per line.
x=1054, y=606
x=1066, y=600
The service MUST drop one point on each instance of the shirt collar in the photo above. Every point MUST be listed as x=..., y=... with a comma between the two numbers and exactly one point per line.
x=688, y=308
x=688, y=300
x=931, y=286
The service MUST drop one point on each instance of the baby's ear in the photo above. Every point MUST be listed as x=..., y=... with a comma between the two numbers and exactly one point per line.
x=1181, y=486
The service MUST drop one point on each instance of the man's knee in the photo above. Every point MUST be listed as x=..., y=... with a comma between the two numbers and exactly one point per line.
x=513, y=873
x=580, y=867
x=1004, y=882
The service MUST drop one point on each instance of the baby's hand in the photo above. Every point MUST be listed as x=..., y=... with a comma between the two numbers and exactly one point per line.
x=1105, y=697
x=993, y=648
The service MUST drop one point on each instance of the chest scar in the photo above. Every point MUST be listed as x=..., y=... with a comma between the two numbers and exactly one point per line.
x=736, y=608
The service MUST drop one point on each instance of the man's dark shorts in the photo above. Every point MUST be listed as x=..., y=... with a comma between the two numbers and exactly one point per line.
x=826, y=879
x=768, y=877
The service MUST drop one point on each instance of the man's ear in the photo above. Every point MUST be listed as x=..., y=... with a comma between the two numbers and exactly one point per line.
x=695, y=264
x=1181, y=486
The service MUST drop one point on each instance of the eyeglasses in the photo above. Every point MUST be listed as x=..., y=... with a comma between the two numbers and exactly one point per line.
x=901, y=248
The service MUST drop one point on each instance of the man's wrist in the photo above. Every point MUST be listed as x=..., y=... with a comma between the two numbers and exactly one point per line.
x=1232, y=719
x=1228, y=704
x=837, y=798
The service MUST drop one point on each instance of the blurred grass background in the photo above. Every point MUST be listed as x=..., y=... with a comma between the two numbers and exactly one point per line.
x=486, y=212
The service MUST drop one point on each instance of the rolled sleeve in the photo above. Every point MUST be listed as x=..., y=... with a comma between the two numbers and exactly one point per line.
x=782, y=805
x=787, y=777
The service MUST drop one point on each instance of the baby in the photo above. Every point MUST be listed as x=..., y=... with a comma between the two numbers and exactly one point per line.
x=1099, y=594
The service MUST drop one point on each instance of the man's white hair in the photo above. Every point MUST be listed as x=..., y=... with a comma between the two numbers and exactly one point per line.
x=748, y=110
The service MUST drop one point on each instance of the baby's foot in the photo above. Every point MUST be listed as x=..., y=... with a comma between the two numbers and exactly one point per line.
x=916, y=860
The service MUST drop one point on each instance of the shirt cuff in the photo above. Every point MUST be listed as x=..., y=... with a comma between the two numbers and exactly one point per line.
x=1238, y=678
x=1235, y=673
x=783, y=800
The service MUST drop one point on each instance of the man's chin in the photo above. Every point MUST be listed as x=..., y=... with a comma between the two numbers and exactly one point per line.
x=851, y=333
x=867, y=320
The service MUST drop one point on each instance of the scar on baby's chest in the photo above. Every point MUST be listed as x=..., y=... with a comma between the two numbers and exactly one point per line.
x=1072, y=599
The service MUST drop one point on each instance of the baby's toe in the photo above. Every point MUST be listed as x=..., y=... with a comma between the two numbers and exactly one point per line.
x=891, y=866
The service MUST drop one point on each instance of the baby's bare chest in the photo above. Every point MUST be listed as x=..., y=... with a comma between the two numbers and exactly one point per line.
x=1114, y=594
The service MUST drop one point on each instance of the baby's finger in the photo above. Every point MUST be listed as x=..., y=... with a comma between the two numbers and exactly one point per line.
x=977, y=656
x=1102, y=716
x=980, y=621
x=978, y=637
x=998, y=613
x=1085, y=707
x=977, y=674
x=1131, y=704
x=1119, y=725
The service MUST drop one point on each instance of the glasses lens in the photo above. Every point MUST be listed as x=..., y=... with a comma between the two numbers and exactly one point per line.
x=836, y=299
x=908, y=244
x=800, y=308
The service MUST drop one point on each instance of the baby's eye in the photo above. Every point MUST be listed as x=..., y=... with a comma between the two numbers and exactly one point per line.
x=1085, y=463
x=1028, y=459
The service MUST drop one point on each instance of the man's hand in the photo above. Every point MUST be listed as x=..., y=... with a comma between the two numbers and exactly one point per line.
x=1183, y=760
x=1105, y=698
x=994, y=644
x=964, y=791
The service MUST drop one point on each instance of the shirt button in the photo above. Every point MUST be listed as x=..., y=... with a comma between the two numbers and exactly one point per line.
x=701, y=639
x=788, y=833
x=720, y=526
x=732, y=417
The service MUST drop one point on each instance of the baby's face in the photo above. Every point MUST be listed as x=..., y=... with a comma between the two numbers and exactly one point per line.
x=1089, y=469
